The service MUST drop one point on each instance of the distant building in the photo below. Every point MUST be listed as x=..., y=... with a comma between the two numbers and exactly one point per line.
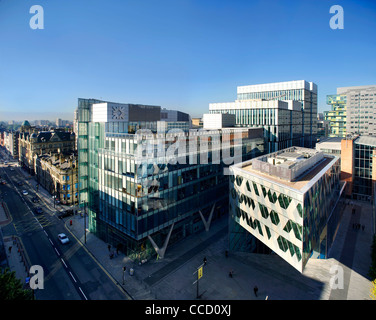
x=32, y=143
x=322, y=127
x=58, y=174
x=286, y=110
x=11, y=142
x=286, y=200
x=337, y=116
x=197, y=122
x=361, y=109
x=218, y=120
x=330, y=146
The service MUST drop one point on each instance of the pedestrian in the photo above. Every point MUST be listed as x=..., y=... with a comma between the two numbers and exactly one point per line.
x=230, y=273
x=255, y=289
x=10, y=249
x=109, y=247
x=363, y=227
x=353, y=210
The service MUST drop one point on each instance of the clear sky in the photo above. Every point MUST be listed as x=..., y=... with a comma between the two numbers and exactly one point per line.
x=179, y=54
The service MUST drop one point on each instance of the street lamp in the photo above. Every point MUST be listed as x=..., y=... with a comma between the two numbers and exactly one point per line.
x=84, y=203
x=124, y=269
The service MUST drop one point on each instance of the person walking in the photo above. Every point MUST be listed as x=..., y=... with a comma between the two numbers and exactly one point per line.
x=255, y=289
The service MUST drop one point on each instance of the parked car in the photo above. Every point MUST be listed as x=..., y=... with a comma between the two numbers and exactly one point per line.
x=38, y=210
x=64, y=214
x=35, y=199
x=63, y=238
x=3, y=182
x=24, y=192
x=20, y=184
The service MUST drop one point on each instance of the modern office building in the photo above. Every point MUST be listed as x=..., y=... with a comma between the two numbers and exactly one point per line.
x=174, y=116
x=330, y=146
x=144, y=189
x=358, y=166
x=281, y=120
x=337, y=116
x=322, y=127
x=286, y=200
x=360, y=109
x=263, y=105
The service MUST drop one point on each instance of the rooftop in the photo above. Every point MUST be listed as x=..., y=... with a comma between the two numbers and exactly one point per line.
x=366, y=140
x=293, y=167
x=298, y=184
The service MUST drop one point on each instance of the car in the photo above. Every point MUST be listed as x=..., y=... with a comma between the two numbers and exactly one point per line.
x=38, y=210
x=66, y=213
x=35, y=199
x=63, y=238
x=20, y=184
x=3, y=182
x=24, y=192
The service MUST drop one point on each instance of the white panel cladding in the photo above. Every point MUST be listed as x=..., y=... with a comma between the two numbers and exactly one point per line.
x=99, y=112
x=291, y=213
x=110, y=111
x=250, y=104
x=218, y=120
x=276, y=86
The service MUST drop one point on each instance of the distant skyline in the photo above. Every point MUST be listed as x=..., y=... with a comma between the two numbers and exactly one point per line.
x=179, y=54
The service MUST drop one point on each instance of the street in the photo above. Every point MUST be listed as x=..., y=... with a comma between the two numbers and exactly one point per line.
x=69, y=271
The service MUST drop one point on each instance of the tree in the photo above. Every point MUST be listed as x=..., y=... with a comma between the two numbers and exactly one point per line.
x=11, y=287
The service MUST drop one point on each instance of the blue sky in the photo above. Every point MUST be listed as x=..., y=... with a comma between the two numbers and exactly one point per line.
x=179, y=54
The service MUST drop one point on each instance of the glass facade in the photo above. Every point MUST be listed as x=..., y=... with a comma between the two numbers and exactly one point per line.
x=282, y=127
x=362, y=187
x=308, y=100
x=132, y=195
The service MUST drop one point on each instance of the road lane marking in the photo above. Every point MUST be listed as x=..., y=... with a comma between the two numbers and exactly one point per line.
x=62, y=260
x=82, y=292
x=72, y=276
x=57, y=252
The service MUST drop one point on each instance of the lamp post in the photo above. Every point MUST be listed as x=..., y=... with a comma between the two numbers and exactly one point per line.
x=124, y=268
x=85, y=222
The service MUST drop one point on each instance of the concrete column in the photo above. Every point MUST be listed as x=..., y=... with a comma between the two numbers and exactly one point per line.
x=207, y=223
x=161, y=251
